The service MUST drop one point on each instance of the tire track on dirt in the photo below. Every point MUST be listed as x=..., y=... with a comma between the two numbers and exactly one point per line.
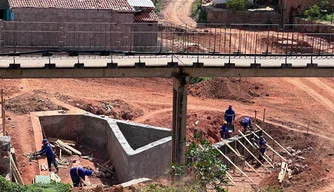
x=328, y=104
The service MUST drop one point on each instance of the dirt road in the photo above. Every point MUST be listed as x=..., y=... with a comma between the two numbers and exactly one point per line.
x=178, y=13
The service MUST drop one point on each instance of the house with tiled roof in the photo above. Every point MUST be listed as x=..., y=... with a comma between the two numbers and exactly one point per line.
x=78, y=24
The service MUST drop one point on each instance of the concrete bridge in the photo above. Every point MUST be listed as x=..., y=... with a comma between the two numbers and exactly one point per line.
x=179, y=67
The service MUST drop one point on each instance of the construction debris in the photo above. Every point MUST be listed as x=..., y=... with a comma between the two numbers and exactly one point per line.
x=65, y=147
x=284, y=169
x=43, y=167
x=105, y=170
x=54, y=177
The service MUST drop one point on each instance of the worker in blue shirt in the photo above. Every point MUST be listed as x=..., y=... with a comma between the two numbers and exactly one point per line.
x=246, y=122
x=229, y=115
x=224, y=131
x=50, y=156
x=263, y=146
x=78, y=173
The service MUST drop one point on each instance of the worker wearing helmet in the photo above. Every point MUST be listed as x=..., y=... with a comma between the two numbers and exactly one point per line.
x=224, y=131
x=246, y=122
x=229, y=115
x=263, y=146
x=78, y=174
x=50, y=156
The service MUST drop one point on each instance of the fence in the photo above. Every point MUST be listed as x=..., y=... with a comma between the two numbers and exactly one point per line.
x=154, y=38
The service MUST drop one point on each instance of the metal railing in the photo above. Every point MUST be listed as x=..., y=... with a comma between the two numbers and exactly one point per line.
x=154, y=38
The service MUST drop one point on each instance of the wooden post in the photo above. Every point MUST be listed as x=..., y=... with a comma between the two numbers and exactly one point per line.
x=255, y=121
x=273, y=139
x=264, y=116
x=228, y=159
x=3, y=114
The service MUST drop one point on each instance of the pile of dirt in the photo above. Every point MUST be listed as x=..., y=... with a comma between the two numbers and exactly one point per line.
x=24, y=104
x=117, y=109
x=238, y=89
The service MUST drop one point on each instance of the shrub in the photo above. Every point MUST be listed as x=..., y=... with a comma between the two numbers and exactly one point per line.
x=236, y=5
x=204, y=163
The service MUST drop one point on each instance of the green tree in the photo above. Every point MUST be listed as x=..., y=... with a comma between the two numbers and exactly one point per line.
x=313, y=12
x=236, y=5
x=324, y=5
x=203, y=161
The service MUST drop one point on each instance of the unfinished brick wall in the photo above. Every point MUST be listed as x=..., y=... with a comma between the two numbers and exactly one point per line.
x=145, y=36
x=226, y=16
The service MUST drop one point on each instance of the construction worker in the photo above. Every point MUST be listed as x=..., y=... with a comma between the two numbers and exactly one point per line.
x=50, y=156
x=263, y=146
x=224, y=131
x=78, y=174
x=229, y=115
x=246, y=122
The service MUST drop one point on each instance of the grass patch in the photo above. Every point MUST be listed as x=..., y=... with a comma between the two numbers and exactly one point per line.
x=36, y=187
x=195, y=80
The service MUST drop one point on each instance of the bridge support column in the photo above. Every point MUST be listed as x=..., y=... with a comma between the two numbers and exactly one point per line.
x=180, y=92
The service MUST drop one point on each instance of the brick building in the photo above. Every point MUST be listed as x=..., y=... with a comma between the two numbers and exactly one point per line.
x=74, y=24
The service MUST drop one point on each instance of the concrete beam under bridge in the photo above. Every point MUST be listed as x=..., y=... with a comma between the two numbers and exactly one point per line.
x=166, y=72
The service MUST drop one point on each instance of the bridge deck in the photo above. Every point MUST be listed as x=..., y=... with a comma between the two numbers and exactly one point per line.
x=157, y=66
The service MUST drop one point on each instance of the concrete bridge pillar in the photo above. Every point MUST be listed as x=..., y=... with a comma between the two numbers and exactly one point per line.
x=180, y=92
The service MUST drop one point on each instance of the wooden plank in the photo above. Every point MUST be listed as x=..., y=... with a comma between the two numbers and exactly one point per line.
x=273, y=140
x=256, y=157
x=105, y=168
x=105, y=163
x=230, y=178
x=271, y=149
x=52, y=139
x=68, y=152
x=16, y=171
x=250, y=166
x=68, y=147
x=282, y=173
x=232, y=149
x=228, y=159
x=246, y=138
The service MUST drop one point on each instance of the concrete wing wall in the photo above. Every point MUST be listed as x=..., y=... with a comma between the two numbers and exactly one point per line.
x=151, y=157
x=63, y=126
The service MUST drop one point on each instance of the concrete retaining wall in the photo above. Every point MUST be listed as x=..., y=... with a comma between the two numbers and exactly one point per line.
x=133, y=148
